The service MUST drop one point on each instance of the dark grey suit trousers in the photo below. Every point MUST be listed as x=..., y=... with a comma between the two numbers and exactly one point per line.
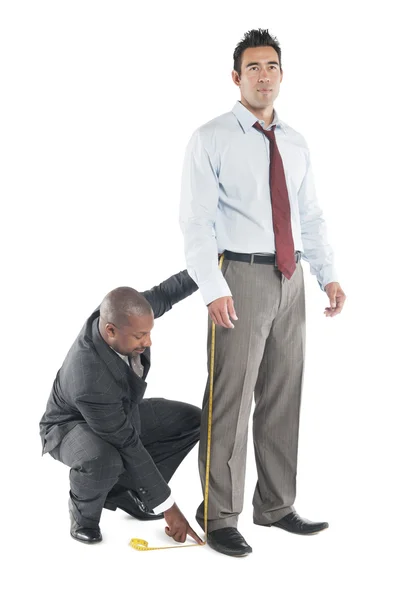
x=169, y=430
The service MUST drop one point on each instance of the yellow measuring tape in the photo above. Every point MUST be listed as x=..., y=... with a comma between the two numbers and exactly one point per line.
x=142, y=545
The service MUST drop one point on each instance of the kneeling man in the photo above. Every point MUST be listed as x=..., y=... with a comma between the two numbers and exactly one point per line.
x=121, y=449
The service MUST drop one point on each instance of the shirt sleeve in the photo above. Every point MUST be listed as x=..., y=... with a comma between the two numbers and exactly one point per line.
x=198, y=208
x=317, y=250
x=169, y=502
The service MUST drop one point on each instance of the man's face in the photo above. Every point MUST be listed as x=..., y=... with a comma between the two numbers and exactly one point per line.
x=131, y=339
x=260, y=77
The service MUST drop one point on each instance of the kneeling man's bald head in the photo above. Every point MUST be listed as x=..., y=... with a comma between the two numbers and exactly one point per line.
x=126, y=320
x=122, y=303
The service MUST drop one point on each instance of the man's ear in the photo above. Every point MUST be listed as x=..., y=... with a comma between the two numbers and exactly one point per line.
x=236, y=78
x=110, y=329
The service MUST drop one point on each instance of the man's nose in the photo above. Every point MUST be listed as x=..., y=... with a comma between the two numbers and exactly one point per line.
x=263, y=76
x=148, y=342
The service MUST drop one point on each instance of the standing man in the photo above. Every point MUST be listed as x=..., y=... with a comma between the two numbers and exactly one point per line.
x=248, y=192
x=122, y=449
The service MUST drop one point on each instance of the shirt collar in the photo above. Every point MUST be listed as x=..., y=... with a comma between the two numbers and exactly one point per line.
x=126, y=359
x=247, y=119
x=122, y=356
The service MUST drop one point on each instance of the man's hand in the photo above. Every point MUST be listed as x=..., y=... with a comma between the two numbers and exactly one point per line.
x=178, y=527
x=221, y=309
x=337, y=299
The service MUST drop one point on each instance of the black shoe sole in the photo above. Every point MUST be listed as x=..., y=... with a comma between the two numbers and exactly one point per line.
x=86, y=541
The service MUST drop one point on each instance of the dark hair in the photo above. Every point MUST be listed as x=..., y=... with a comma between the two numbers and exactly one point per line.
x=254, y=39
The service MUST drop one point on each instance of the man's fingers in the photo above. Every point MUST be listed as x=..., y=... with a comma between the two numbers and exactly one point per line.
x=215, y=318
x=332, y=312
x=218, y=318
x=181, y=536
x=224, y=316
x=231, y=309
x=221, y=318
x=195, y=537
x=178, y=536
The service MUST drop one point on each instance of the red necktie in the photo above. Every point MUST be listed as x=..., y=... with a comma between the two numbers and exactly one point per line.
x=281, y=212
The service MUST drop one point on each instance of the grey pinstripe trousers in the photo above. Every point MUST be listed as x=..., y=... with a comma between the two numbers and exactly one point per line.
x=263, y=356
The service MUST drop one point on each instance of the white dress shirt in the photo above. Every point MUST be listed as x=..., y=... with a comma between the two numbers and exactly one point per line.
x=135, y=364
x=225, y=199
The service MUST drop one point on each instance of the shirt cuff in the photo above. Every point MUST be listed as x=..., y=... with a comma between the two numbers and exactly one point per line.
x=328, y=275
x=217, y=288
x=168, y=503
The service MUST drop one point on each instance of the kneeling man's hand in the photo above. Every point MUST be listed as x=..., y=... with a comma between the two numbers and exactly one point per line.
x=178, y=527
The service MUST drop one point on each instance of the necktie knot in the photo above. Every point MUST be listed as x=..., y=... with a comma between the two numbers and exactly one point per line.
x=269, y=133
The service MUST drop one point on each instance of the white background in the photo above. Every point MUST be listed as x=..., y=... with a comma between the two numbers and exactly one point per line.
x=98, y=102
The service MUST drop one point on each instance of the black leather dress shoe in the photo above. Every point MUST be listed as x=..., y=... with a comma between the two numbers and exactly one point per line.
x=295, y=524
x=87, y=535
x=132, y=505
x=228, y=541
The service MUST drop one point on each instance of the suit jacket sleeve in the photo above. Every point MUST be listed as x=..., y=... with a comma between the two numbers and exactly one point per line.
x=107, y=418
x=163, y=296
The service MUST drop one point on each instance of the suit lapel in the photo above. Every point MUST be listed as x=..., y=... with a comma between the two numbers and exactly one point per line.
x=121, y=372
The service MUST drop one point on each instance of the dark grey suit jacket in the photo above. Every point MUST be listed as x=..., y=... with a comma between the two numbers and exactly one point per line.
x=95, y=386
